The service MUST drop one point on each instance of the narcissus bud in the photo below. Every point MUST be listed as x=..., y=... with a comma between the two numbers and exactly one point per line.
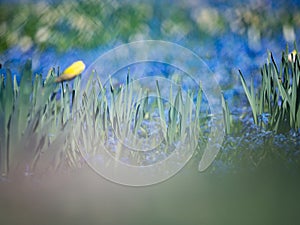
x=71, y=72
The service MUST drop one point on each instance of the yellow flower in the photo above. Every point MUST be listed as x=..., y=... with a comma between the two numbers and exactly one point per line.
x=292, y=56
x=72, y=71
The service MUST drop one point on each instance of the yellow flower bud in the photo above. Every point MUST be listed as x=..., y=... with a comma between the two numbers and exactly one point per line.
x=72, y=71
x=292, y=56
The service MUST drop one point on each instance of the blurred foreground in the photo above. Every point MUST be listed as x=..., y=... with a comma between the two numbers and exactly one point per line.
x=267, y=196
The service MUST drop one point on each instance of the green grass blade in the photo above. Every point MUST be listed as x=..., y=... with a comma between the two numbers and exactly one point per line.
x=250, y=96
x=161, y=112
x=226, y=115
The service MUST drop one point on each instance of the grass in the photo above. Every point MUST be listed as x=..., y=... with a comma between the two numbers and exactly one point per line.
x=227, y=117
x=47, y=125
x=128, y=119
x=33, y=122
x=273, y=134
x=275, y=103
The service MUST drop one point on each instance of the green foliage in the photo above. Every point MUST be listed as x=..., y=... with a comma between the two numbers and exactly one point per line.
x=33, y=123
x=227, y=116
x=122, y=120
x=47, y=126
x=275, y=103
x=91, y=23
